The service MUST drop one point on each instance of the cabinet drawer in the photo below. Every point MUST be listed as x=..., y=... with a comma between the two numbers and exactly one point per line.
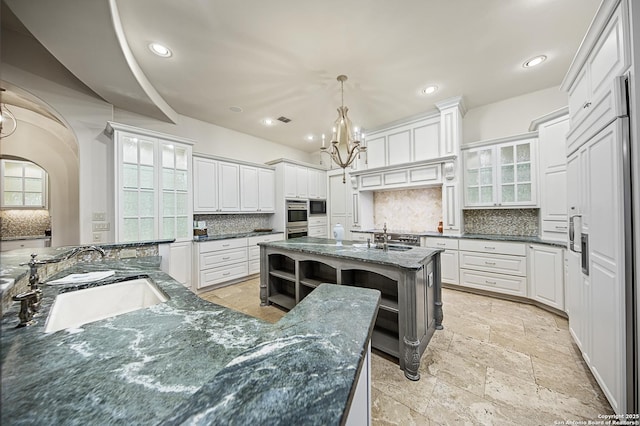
x=500, y=247
x=222, y=274
x=361, y=236
x=494, y=282
x=254, y=266
x=317, y=221
x=254, y=253
x=252, y=241
x=208, y=246
x=224, y=257
x=317, y=231
x=500, y=263
x=442, y=243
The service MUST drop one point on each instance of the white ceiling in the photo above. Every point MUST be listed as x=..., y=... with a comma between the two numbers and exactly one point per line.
x=281, y=57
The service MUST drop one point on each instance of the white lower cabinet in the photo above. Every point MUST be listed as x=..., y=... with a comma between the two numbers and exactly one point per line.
x=494, y=265
x=546, y=278
x=449, y=265
x=254, y=250
x=317, y=226
x=176, y=261
x=221, y=260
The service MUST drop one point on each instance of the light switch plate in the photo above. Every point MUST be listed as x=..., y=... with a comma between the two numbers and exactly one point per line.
x=99, y=217
x=97, y=237
x=101, y=226
x=127, y=253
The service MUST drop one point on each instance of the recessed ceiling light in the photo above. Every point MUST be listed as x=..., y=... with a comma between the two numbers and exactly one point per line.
x=235, y=109
x=535, y=61
x=429, y=90
x=160, y=50
x=268, y=122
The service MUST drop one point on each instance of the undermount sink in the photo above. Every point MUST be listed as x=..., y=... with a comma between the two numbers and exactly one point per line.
x=75, y=308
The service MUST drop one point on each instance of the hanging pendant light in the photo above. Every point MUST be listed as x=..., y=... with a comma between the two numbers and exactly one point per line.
x=8, y=123
x=345, y=143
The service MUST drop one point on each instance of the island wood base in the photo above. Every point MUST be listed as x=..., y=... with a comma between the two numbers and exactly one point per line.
x=411, y=304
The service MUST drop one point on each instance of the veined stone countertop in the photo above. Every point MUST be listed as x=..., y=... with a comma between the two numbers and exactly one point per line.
x=187, y=360
x=235, y=235
x=414, y=258
x=491, y=237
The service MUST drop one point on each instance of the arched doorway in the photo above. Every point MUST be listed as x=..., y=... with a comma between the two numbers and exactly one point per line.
x=43, y=138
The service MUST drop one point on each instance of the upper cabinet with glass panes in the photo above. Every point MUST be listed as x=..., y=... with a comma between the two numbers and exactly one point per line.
x=24, y=185
x=153, y=190
x=501, y=174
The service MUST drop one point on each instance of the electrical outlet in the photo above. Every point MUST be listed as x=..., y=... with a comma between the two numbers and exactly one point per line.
x=99, y=217
x=97, y=237
x=126, y=253
x=101, y=226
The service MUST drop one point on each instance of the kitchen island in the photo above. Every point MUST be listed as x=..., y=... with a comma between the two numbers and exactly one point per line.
x=187, y=360
x=408, y=278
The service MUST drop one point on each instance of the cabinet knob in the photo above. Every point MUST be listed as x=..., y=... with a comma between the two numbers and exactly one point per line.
x=586, y=105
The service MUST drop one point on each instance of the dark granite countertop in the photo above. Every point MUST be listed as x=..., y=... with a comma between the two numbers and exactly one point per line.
x=491, y=237
x=175, y=360
x=26, y=237
x=413, y=258
x=231, y=236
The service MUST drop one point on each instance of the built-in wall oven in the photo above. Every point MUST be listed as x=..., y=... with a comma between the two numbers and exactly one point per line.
x=297, y=214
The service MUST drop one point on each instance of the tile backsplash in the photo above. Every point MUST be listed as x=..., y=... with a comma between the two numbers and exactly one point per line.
x=219, y=224
x=414, y=210
x=519, y=222
x=24, y=223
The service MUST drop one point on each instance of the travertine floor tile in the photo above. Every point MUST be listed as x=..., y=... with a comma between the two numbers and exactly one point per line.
x=496, y=362
x=390, y=380
x=386, y=411
x=492, y=355
x=454, y=370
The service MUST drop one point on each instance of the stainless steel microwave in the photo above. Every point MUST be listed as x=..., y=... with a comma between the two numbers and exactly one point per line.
x=317, y=206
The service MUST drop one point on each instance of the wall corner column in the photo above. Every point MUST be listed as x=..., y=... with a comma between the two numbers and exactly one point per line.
x=451, y=113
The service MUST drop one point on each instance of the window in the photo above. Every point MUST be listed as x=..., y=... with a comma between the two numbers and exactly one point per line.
x=23, y=185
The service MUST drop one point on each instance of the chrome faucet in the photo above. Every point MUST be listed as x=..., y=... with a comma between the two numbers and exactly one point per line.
x=30, y=300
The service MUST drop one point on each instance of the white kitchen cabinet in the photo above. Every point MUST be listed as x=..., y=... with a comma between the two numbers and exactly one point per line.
x=205, y=191
x=153, y=185
x=228, y=186
x=501, y=175
x=408, y=142
x=592, y=101
x=449, y=264
x=494, y=265
x=302, y=173
x=254, y=250
x=552, y=166
x=546, y=281
x=316, y=184
x=450, y=208
x=220, y=261
x=30, y=243
x=317, y=226
x=290, y=180
x=256, y=189
x=177, y=261
x=297, y=179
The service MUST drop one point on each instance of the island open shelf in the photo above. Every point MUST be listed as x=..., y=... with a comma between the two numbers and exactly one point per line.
x=409, y=282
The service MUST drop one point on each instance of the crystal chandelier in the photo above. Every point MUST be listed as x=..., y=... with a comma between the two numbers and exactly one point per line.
x=345, y=144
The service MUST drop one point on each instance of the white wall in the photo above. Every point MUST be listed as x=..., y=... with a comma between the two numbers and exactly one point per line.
x=42, y=141
x=29, y=67
x=511, y=116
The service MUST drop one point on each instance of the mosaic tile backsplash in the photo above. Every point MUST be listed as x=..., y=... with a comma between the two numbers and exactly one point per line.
x=519, y=222
x=24, y=223
x=219, y=224
x=416, y=210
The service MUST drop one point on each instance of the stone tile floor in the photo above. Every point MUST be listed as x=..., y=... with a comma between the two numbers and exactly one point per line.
x=495, y=363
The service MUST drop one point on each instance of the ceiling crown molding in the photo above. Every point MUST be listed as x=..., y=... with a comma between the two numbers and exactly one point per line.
x=451, y=102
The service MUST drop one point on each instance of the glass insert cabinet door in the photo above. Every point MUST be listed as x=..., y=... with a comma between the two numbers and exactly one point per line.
x=154, y=190
x=23, y=185
x=515, y=174
x=479, y=177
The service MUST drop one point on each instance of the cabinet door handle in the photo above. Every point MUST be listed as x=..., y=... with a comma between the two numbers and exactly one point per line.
x=226, y=245
x=441, y=244
x=586, y=105
x=489, y=248
x=225, y=274
x=226, y=258
x=563, y=228
x=489, y=263
x=490, y=282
